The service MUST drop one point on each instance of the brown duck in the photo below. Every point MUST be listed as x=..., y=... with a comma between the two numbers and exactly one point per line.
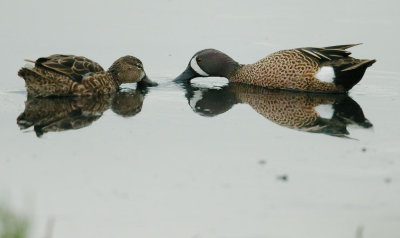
x=64, y=75
x=327, y=69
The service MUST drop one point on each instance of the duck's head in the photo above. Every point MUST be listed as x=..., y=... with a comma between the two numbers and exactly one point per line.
x=127, y=69
x=209, y=63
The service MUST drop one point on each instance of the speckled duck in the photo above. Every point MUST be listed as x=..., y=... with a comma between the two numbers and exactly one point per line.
x=327, y=69
x=64, y=75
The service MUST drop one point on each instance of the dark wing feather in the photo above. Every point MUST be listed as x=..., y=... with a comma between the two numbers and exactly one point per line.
x=342, y=47
x=327, y=53
x=72, y=66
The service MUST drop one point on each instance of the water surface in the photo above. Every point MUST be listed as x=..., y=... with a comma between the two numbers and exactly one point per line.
x=205, y=159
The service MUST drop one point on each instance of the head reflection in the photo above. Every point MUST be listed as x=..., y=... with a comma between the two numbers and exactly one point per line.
x=52, y=114
x=318, y=113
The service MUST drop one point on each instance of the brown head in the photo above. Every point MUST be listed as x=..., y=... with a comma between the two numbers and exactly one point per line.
x=127, y=69
x=209, y=63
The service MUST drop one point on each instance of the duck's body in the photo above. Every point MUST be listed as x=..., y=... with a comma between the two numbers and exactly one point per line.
x=328, y=69
x=63, y=75
x=43, y=82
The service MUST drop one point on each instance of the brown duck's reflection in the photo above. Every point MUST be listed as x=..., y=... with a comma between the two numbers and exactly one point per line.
x=72, y=113
x=318, y=113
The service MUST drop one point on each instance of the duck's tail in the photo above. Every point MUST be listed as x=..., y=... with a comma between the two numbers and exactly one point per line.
x=32, y=80
x=336, y=65
x=30, y=75
x=350, y=71
x=36, y=83
x=27, y=74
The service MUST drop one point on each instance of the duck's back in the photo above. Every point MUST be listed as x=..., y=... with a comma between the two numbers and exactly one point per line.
x=328, y=69
x=72, y=66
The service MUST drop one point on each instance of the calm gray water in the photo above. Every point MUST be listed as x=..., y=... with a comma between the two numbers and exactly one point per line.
x=206, y=159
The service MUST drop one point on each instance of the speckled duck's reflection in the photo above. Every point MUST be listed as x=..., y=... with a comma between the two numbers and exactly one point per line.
x=72, y=113
x=318, y=113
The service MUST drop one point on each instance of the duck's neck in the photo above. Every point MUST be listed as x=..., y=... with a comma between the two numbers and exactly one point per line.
x=236, y=73
x=114, y=76
x=232, y=70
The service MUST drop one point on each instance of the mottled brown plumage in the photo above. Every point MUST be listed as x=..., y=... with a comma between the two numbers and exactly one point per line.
x=296, y=69
x=70, y=65
x=63, y=75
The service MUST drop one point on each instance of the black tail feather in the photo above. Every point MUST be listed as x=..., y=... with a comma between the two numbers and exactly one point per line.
x=342, y=47
x=348, y=75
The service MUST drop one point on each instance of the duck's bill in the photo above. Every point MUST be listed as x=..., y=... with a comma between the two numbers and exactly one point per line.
x=146, y=82
x=187, y=75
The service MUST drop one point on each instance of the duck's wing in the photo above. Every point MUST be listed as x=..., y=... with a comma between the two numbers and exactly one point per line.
x=75, y=67
x=328, y=53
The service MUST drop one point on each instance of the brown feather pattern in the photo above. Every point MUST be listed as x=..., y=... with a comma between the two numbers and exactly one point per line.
x=296, y=69
x=69, y=65
x=63, y=75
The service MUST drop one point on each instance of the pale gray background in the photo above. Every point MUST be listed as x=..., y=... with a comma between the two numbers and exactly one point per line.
x=169, y=172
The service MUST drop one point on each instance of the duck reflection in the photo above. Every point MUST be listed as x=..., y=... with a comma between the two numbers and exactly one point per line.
x=72, y=113
x=318, y=113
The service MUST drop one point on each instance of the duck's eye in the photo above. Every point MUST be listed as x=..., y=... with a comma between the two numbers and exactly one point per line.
x=139, y=66
x=198, y=60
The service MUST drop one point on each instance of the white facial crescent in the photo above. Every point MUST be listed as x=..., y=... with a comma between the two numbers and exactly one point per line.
x=196, y=67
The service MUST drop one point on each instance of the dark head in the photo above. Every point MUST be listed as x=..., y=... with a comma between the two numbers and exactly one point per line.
x=127, y=69
x=209, y=63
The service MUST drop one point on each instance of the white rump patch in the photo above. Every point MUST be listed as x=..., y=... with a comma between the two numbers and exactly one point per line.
x=196, y=67
x=325, y=74
x=325, y=110
x=198, y=95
